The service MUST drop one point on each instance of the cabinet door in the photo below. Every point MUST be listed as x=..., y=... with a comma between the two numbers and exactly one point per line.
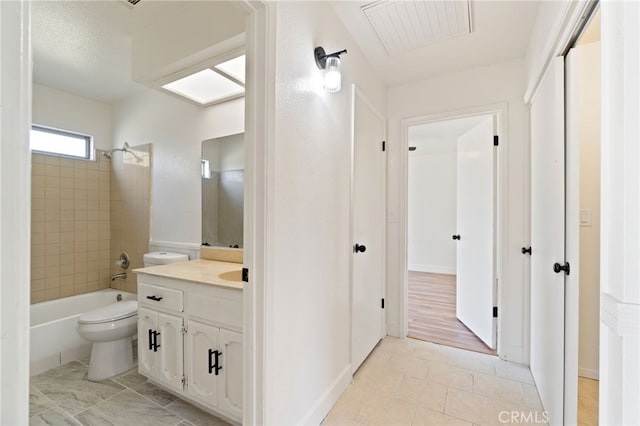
x=202, y=342
x=230, y=384
x=147, y=358
x=170, y=350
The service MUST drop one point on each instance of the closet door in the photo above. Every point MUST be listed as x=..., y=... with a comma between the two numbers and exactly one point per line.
x=548, y=240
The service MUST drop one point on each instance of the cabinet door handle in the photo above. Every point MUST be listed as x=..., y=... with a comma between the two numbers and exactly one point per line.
x=150, y=339
x=214, y=365
x=155, y=341
x=155, y=298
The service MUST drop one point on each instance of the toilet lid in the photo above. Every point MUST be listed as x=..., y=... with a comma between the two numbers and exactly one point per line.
x=113, y=312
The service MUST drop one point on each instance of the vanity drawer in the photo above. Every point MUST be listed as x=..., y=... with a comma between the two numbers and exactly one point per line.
x=160, y=297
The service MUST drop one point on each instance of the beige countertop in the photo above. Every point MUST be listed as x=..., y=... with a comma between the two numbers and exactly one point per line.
x=212, y=272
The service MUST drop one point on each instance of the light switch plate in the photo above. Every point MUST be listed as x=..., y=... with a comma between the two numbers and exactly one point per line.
x=585, y=217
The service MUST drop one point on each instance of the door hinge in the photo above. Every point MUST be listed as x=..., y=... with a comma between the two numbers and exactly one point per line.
x=184, y=331
x=382, y=304
x=183, y=380
x=245, y=275
x=496, y=140
x=495, y=312
x=384, y=145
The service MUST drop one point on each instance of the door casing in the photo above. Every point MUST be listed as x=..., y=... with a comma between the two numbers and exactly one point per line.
x=500, y=110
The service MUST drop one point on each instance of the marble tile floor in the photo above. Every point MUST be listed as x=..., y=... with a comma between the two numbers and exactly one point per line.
x=411, y=382
x=63, y=396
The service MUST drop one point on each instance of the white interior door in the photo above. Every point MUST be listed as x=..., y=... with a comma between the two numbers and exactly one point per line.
x=476, y=188
x=368, y=224
x=548, y=240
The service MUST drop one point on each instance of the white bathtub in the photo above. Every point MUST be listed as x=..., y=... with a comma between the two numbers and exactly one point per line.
x=54, y=339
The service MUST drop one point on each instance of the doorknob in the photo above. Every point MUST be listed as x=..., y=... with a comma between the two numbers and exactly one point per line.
x=526, y=250
x=359, y=248
x=557, y=268
x=456, y=237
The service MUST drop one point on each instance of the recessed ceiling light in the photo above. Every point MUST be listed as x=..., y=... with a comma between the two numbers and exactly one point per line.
x=234, y=67
x=204, y=87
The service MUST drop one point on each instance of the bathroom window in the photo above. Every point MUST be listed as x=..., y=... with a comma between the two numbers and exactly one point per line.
x=63, y=143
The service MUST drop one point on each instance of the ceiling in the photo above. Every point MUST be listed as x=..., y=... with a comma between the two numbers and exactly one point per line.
x=440, y=137
x=83, y=47
x=500, y=32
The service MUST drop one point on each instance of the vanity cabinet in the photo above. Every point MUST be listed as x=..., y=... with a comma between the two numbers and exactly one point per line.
x=190, y=341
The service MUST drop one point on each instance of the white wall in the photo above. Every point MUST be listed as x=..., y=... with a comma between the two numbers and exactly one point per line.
x=307, y=328
x=620, y=222
x=589, y=200
x=15, y=211
x=66, y=111
x=504, y=82
x=432, y=209
x=176, y=129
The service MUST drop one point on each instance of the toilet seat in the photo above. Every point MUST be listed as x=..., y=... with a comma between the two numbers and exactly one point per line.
x=114, y=312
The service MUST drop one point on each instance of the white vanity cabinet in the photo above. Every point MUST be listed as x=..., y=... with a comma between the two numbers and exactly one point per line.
x=190, y=341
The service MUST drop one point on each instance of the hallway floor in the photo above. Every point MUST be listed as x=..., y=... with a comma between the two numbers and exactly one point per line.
x=432, y=313
x=588, y=391
x=410, y=382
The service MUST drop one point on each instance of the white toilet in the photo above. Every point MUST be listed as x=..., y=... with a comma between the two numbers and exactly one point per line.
x=110, y=328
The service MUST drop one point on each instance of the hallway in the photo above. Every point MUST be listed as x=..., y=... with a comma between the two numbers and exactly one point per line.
x=432, y=313
x=409, y=382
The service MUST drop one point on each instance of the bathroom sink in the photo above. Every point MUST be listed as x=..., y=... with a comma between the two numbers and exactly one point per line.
x=231, y=276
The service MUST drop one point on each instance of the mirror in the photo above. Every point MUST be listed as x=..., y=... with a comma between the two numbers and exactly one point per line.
x=223, y=191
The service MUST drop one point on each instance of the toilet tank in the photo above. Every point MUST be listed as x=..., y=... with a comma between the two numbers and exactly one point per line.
x=163, y=258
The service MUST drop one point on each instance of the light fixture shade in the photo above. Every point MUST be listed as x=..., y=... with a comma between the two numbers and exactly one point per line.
x=332, y=77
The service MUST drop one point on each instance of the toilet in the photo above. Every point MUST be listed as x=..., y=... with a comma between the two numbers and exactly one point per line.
x=163, y=258
x=110, y=328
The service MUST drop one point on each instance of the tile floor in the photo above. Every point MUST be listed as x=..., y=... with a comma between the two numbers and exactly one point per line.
x=410, y=382
x=588, y=391
x=63, y=396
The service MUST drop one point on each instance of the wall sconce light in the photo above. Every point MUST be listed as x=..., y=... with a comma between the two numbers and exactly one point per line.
x=331, y=64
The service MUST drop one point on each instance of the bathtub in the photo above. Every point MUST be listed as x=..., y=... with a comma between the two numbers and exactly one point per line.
x=54, y=339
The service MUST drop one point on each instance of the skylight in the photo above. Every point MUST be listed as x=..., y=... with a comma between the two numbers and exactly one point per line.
x=205, y=87
x=234, y=67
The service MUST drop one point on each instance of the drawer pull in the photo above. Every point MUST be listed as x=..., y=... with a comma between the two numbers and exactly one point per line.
x=216, y=364
x=155, y=298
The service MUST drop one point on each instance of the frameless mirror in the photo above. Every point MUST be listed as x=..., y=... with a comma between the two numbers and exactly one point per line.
x=223, y=191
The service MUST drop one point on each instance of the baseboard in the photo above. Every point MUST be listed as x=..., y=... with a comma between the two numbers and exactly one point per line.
x=323, y=405
x=190, y=249
x=434, y=269
x=589, y=373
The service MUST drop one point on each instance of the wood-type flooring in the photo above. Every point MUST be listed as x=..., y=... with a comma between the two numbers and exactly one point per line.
x=432, y=313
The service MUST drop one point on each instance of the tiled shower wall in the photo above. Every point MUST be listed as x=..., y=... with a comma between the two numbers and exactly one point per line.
x=70, y=226
x=130, y=210
x=83, y=215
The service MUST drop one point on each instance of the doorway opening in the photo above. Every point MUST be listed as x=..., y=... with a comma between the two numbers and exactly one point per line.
x=583, y=133
x=451, y=232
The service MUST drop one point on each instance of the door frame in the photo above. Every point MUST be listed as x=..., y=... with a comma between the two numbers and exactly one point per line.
x=500, y=110
x=357, y=92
